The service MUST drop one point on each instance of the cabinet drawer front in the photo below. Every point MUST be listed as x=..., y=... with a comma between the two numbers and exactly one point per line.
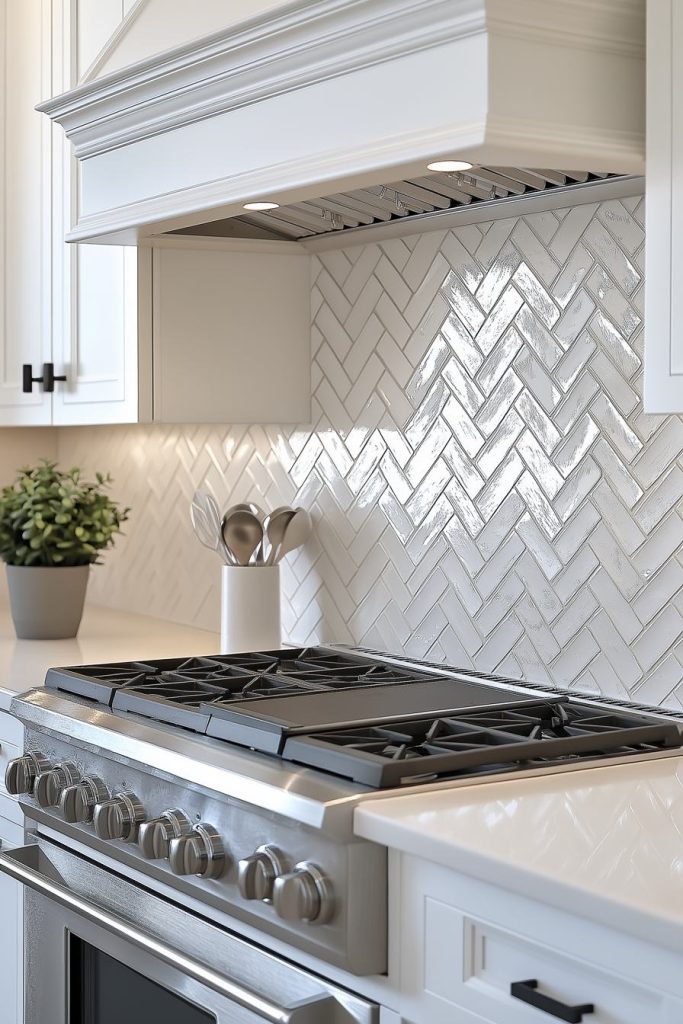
x=472, y=964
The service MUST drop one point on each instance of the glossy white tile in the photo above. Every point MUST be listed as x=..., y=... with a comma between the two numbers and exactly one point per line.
x=485, y=485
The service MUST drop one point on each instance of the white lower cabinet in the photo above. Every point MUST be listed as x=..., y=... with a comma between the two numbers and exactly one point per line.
x=11, y=898
x=469, y=952
x=11, y=935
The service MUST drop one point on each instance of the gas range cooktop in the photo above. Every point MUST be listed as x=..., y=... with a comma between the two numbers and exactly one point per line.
x=376, y=723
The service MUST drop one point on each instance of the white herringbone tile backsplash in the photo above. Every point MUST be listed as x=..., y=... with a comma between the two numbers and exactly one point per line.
x=486, y=488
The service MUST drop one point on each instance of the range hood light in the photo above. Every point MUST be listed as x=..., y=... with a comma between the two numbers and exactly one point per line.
x=261, y=206
x=448, y=166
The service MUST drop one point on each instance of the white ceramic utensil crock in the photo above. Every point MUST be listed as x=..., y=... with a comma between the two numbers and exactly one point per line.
x=250, y=608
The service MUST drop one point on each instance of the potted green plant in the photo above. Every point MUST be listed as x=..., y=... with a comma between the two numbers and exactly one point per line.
x=53, y=526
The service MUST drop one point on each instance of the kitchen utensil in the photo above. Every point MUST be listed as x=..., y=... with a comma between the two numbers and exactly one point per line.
x=296, y=532
x=271, y=515
x=248, y=506
x=242, y=532
x=206, y=523
x=274, y=527
x=259, y=556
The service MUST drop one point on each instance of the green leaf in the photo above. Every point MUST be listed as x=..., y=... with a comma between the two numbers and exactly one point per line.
x=50, y=517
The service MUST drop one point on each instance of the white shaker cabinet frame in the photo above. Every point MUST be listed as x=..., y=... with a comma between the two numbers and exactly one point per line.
x=25, y=208
x=663, y=390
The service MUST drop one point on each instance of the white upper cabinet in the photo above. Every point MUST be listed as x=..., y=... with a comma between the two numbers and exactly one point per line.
x=25, y=214
x=227, y=325
x=664, y=203
x=95, y=288
x=73, y=308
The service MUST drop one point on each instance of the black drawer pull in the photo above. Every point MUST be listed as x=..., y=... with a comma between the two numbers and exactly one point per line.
x=527, y=992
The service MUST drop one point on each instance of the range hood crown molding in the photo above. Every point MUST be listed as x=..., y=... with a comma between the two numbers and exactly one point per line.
x=267, y=56
x=331, y=95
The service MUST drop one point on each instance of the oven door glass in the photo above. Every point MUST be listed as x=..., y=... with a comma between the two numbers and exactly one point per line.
x=104, y=991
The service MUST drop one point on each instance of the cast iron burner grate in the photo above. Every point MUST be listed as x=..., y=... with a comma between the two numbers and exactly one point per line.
x=186, y=692
x=479, y=743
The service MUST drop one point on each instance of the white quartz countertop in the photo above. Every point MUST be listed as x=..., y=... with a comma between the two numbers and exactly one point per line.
x=605, y=843
x=105, y=635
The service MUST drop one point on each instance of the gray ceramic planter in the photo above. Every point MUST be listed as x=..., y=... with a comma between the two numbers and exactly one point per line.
x=47, y=601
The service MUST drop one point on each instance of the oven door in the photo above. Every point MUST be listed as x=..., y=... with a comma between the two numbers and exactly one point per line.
x=100, y=949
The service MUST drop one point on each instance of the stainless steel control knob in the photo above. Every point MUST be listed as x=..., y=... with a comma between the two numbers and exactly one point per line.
x=256, y=874
x=50, y=784
x=119, y=818
x=21, y=772
x=155, y=835
x=201, y=852
x=304, y=895
x=77, y=803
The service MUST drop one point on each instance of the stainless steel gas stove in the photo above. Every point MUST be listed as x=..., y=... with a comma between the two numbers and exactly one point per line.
x=225, y=787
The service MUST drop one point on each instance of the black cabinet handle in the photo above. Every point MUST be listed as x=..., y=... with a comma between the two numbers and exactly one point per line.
x=47, y=379
x=527, y=992
x=27, y=379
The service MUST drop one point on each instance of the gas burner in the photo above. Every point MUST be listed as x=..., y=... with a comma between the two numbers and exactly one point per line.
x=478, y=743
x=181, y=700
x=364, y=719
x=186, y=692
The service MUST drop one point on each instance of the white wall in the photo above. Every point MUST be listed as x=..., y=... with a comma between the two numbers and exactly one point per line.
x=19, y=447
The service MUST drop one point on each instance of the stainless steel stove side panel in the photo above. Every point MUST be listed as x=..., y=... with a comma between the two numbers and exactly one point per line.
x=356, y=937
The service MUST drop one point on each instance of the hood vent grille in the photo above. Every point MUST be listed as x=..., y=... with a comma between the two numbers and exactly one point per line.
x=343, y=212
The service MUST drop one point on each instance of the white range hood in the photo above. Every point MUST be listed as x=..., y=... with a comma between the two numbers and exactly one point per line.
x=309, y=98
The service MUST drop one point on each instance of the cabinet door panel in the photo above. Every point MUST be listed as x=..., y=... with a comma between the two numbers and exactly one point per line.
x=99, y=340
x=25, y=315
x=96, y=293
x=663, y=390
